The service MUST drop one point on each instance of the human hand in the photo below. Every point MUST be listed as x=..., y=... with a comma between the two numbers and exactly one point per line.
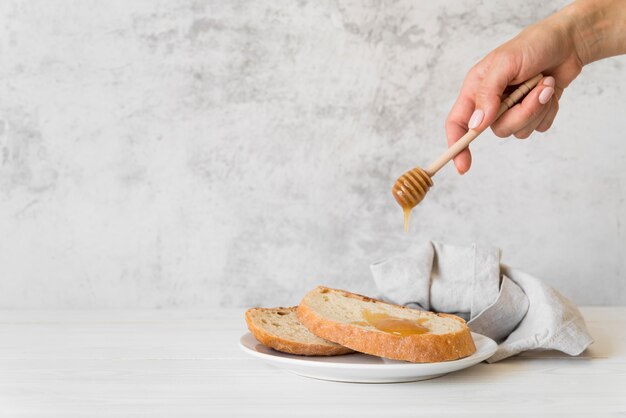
x=558, y=47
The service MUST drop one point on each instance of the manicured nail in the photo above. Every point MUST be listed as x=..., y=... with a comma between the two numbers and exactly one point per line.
x=476, y=119
x=549, y=81
x=545, y=95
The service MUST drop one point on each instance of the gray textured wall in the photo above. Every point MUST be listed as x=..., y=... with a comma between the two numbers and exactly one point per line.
x=180, y=154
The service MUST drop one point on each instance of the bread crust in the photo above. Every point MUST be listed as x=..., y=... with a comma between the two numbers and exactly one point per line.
x=288, y=346
x=423, y=348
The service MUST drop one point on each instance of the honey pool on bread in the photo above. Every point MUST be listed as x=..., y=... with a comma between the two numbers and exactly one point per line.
x=393, y=325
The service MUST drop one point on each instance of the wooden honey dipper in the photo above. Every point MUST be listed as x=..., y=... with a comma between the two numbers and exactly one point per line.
x=411, y=187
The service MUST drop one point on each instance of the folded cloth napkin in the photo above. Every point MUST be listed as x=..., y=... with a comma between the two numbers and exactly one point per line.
x=515, y=309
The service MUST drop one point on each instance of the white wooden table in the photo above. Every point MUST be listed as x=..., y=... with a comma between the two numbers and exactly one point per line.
x=188, y=364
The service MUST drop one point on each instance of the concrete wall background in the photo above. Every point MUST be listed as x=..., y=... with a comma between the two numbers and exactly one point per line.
x=185, y=154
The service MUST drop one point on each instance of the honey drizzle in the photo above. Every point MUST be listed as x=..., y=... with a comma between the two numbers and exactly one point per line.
x=407, y=215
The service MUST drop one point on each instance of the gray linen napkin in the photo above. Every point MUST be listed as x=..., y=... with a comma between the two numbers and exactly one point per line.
x=515, y=309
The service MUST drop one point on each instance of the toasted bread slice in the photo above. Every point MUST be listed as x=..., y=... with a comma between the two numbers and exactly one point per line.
x=280, y=329
x=382, y=329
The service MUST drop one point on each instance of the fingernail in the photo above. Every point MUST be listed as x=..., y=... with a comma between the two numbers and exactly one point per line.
x=549, y=81
x=476, y=119
x=545, y=95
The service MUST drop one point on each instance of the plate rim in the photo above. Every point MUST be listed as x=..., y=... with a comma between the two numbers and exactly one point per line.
x=306, y=362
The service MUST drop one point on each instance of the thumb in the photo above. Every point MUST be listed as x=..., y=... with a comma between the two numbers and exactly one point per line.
x=489, y=96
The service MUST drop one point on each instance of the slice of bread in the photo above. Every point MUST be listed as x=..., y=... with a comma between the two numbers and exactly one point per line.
x=382, y=329
x=279, y=328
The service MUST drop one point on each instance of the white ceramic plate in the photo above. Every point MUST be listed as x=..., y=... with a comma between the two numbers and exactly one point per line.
x=363, y=368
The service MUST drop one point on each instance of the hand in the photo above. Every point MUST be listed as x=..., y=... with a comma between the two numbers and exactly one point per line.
x=558, y=47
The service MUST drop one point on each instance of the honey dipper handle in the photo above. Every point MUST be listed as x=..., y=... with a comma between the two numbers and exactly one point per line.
x=465, y=140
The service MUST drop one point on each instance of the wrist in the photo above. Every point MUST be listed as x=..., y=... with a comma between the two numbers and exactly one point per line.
x=597, y=27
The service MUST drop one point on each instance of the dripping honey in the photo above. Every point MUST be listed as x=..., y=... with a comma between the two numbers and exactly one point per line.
x=407, y=215
x=392, y=324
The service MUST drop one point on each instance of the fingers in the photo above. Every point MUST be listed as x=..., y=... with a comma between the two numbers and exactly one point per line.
x=527, y=130
x=463, y=161
x=480, y=98
x=456, y=127
x=478, y=102
x=495, y=78
x=547, y=121
x=524, y=117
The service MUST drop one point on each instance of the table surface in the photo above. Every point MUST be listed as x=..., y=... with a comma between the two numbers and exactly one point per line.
x=188, y=364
